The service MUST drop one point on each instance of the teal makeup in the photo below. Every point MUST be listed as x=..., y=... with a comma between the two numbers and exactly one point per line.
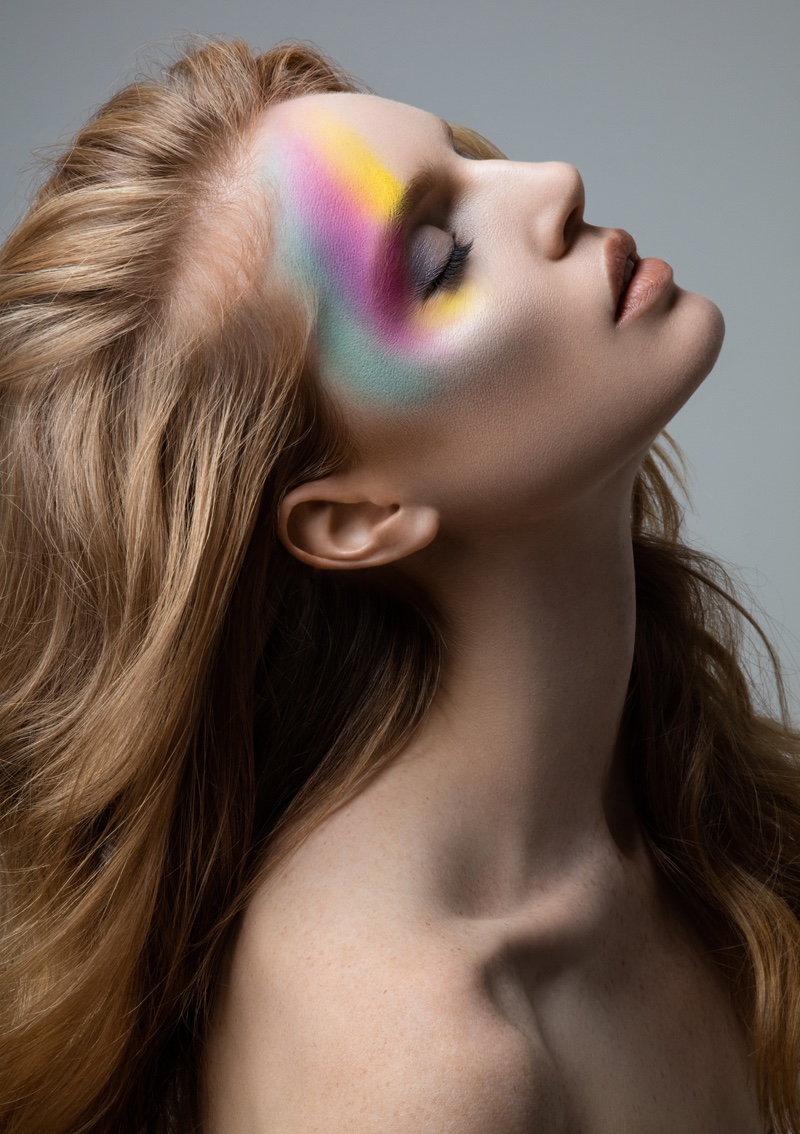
x=341, y=234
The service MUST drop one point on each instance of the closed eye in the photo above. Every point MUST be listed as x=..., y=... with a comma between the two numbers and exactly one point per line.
x=452, y=270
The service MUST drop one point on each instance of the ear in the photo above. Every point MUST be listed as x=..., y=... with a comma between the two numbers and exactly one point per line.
x=328, y=524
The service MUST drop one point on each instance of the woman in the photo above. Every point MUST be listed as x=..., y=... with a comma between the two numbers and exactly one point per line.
x=376, y=756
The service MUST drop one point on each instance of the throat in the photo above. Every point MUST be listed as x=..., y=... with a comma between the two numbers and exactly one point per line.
x=518, y=769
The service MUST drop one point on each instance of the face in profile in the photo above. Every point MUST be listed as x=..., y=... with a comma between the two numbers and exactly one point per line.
x=485, y=342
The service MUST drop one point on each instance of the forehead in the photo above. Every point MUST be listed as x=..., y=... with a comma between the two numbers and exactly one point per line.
x=394, y=133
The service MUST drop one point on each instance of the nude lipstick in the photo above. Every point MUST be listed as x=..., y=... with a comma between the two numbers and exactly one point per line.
x=635, y=283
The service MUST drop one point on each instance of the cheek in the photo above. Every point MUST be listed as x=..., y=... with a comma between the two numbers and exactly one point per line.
x=388, y=356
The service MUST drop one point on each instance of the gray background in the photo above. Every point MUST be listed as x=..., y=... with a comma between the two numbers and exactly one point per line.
x=681, y=115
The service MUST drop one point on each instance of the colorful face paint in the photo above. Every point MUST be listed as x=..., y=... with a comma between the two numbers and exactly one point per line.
x=340, y=235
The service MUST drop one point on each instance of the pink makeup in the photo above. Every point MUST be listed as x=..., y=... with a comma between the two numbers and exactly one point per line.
x=341, y=234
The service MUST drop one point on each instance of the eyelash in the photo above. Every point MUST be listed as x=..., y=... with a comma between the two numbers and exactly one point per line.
x=452, y=269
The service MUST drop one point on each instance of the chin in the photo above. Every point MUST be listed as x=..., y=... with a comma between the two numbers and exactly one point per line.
x=702, y=331
x=691, y=344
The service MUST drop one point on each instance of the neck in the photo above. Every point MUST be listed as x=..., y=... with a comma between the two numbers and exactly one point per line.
x=516, y=766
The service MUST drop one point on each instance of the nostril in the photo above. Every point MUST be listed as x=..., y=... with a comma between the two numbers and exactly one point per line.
x=572, y=222
x=572, y=198
x=572, y=225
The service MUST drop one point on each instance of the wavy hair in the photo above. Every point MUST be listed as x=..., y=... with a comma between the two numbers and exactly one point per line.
x=181, y=700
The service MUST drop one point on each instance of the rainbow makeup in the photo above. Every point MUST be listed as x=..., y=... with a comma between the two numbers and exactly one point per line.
x=340, y=233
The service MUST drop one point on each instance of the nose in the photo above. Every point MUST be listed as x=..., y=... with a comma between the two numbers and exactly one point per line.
x=551, y=196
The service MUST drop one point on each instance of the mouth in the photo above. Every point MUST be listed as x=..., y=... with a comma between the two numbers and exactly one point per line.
x=621, y=261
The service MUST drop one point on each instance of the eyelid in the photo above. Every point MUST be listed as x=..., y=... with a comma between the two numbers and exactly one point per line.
x=435, y=260
x=415, y=207
x=452, y=269
x=431, y=182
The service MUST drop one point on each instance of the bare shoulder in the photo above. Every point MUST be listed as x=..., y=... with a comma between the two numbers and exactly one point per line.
x=333, y=1016
x=352, y=1002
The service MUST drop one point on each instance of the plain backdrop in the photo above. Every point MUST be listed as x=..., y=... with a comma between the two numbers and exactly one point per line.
x=682, y=116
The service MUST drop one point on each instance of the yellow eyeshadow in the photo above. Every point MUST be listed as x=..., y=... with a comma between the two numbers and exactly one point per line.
x=446, y=306
x=376, y=192
x=374, y=187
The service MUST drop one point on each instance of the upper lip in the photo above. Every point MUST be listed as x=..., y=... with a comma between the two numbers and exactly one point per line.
x=619, y=248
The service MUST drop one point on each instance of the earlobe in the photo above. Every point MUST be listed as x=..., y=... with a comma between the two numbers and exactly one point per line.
x=321, y=526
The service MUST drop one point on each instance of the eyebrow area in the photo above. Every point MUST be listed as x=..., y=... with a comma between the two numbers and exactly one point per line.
x=412, y=196
x=419, y=186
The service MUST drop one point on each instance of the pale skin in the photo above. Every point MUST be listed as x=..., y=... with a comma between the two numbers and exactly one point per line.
x=478, y=942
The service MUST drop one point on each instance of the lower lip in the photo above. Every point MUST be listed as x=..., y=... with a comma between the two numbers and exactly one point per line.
x=650, y=279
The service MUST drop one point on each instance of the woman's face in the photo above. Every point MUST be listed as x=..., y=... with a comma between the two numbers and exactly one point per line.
x=467, y=314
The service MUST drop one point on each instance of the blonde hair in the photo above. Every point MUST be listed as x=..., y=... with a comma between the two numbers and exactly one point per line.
x=181, y=700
